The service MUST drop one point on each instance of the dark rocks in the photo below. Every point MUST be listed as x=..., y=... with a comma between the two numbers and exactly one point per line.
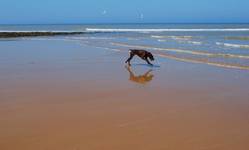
x=30, y=34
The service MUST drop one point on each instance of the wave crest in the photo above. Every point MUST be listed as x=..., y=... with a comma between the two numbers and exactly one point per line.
x=232, y=45
x=164, y=30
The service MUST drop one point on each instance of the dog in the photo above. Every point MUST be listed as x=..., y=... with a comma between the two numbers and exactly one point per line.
x=143, y=54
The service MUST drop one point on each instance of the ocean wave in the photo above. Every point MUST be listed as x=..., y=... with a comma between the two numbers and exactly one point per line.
x=92, y=38
x=232, y=45
x=226, y=55
x=172, y=37
x=160, y=40
x=195, y=42
x=186, y=39
x=164, y=30
x=190, y=42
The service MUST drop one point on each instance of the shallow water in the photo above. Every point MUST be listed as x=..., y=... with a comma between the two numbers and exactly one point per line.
x=222, y=45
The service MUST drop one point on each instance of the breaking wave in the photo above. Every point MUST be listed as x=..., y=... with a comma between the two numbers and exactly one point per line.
x=232, y=45
x=164, y=30
x=195, y=42
x=172, y=37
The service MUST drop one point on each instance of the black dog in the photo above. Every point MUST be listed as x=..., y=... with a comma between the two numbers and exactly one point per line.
x=143, y=54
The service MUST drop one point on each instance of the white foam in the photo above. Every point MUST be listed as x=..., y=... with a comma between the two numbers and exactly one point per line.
x=178, y=38
x=173, y=37
x=232, y=45
x=163, y=30
x=160, y=40
x=195, y=42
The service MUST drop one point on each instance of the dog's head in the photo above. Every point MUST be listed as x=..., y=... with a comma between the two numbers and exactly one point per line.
x=151, y=56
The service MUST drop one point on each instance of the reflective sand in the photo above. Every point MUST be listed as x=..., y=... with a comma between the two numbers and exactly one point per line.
x=65, y=96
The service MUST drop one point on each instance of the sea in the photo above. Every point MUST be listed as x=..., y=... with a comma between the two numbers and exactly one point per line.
x=219, y=45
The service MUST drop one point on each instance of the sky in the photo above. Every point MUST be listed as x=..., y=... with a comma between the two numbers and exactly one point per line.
x=123, y=11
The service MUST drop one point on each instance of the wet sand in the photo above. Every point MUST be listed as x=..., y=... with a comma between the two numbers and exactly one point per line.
x=62, y=95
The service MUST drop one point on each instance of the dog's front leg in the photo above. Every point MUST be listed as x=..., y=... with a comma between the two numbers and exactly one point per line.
x=148, y=62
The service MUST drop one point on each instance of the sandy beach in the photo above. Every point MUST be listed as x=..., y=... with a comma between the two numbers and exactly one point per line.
x=62, y=95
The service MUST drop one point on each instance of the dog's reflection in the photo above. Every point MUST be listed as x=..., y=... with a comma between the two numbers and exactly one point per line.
x=142, y=79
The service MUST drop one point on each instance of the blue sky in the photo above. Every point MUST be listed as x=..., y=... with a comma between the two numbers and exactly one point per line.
x=123, y=11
